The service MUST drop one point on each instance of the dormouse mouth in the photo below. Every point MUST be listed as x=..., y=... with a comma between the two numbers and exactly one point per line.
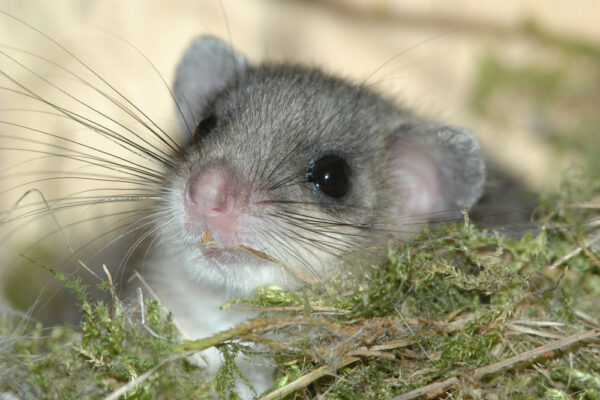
x=244, y=256
x=225, y=256
x=233, y=254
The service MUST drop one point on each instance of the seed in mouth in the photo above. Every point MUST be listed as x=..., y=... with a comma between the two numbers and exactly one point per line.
x=206, y=238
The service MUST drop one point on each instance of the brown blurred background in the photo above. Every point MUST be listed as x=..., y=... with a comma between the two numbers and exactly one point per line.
x=523, y=75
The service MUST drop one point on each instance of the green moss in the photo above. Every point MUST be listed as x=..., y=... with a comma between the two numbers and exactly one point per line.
x=111, y=348
x=442, y=305
x=229, y=372
x=267, y=296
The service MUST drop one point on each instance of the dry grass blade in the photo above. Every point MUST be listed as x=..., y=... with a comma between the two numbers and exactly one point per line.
x=207, y=241
x=319, y=309
x=433, y=387
x=575, y=252
x=140, y=379
x=307, y=379
x=503, y=365
x=535, y=353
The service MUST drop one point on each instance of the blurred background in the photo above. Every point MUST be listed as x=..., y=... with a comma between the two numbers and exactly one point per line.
x=523, y=75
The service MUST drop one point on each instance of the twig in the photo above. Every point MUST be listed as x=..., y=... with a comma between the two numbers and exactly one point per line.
x=394, y=344
x=163, y=309
x=588, y=253
x=534, y=332
x=587, y=318
x=411, y=331
x=141, y=303
x=320, y=309
x=307, y=379
x=208, y=243
x=536, y=323
x=126, y=388
x=593, y=204
x=532, y=354
x=502, y=365
x=312, y=376
x=553, y=288
x=250, y=326
x=432, y=387
x=575, y=252
x=364, y=352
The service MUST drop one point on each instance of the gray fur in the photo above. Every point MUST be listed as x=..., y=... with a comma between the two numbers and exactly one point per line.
x=271, y=123
x=207, y=66
x=275, y=120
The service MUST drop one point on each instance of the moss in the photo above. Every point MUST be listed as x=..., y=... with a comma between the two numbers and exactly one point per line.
x=442, y=306
x=111, y=348
x=448, y=273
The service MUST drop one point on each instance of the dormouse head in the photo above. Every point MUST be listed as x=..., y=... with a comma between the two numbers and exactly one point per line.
x=286, y=168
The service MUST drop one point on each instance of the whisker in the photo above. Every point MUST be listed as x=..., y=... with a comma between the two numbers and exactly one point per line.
x=115, y=167
x=61, y=207
x=284, y=247
x=98, y=76
x=120, y=139
x=62, y=228
x=138, y=226
x=57, y=174
x=81, y=178
x=81, y=120
x=173, y=145
x=78, y=155
x=300, y=224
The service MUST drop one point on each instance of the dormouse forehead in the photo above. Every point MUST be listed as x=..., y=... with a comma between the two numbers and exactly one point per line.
x=307, y=102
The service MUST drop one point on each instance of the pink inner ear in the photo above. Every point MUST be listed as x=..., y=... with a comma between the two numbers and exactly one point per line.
x=419, y=183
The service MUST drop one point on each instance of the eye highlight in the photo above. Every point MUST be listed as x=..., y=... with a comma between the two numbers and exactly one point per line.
x=331, y=175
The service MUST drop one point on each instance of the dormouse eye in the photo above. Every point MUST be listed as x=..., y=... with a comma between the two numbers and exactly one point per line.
x=331, y=175
x=205, y=127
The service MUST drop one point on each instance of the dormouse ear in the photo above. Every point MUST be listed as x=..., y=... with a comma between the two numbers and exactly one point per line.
x=207, y=66
x=437, y=170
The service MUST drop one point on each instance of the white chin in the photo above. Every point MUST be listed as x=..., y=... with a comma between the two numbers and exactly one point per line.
x=238, y=274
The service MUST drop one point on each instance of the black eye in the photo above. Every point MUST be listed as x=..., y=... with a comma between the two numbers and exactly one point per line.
x=205, y=127
x=331, y=174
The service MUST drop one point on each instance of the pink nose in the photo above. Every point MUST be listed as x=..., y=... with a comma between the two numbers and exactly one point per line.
x=211, y=194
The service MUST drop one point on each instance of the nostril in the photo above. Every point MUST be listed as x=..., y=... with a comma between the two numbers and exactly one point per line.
x=221, y=206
